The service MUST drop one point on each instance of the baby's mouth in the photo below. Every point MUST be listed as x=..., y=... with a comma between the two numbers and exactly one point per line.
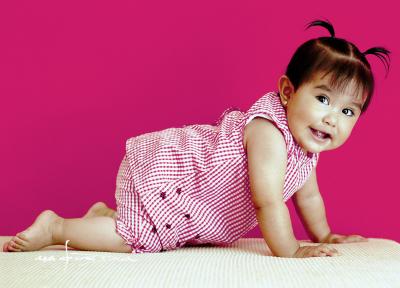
x=321, y=135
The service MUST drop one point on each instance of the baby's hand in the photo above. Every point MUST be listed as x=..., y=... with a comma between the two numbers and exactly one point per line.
x=321, y=250
x=337, y=238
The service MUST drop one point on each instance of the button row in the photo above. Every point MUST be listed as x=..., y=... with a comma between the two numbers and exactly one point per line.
x=168, y=226
x=163, y=194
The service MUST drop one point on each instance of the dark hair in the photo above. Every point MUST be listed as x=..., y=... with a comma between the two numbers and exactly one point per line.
x=337, y=56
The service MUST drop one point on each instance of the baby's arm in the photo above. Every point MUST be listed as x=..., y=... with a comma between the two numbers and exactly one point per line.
x=267, y=159
x=311, y=209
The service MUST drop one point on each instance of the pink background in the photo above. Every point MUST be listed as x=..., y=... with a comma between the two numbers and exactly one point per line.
x=78, y=78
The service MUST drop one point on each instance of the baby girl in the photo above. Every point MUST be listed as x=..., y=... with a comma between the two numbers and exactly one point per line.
x=211, y=184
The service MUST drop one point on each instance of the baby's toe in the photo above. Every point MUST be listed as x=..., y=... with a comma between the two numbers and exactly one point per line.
x=5, y=247
x=11, y=247
x=20, y=235
x=16, y=245
x=19, y=241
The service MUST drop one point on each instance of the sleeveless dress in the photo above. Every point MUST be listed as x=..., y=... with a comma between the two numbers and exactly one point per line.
x=189, y=186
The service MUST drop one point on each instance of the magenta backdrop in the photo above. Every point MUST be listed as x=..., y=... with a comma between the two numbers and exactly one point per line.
x=78, y=78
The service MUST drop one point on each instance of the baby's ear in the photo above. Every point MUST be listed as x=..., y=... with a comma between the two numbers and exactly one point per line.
x=286, y=89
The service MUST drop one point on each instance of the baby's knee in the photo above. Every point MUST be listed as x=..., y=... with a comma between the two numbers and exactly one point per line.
x=125, y=248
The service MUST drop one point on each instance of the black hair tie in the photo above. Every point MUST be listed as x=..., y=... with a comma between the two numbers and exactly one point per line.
x=380, y=52
x=326, y=24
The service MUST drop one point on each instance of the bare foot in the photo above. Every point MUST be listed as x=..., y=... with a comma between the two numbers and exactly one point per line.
x=37, y=236
x=99, y=209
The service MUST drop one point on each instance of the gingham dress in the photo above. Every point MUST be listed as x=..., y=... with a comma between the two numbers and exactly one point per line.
x=190, y=186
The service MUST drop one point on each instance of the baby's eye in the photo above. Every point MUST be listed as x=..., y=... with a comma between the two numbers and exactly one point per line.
x=351, y=114
x=323, y=97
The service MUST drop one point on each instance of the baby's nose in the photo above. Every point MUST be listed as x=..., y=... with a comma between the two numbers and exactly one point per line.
x=330, y=119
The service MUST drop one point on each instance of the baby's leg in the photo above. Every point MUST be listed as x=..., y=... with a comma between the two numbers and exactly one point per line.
x=100, y=209
x=92, y=234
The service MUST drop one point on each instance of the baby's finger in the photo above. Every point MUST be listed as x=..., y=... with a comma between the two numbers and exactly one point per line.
x=318, y=253
x=359, y=238
x=334, y=253
x=322, y=246
x=339, y=240
x=327, y=249
x=352, y=238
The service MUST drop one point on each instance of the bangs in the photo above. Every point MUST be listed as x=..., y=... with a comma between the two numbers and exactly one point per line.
x=341, y=81
x=346, y=74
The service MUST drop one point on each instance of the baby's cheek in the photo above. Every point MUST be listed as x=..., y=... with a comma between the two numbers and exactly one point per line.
x=347, y=135
x=342, y=135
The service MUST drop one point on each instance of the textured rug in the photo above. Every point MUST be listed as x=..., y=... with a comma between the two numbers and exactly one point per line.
x=245, y=263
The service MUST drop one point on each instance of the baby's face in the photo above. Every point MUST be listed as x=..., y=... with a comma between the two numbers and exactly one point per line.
x=314, y=108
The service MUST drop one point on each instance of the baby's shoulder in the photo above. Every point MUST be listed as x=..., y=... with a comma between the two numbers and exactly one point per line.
x=262, y=129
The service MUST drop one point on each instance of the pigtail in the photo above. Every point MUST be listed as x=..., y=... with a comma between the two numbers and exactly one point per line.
x=322, y=23
x=378, y=51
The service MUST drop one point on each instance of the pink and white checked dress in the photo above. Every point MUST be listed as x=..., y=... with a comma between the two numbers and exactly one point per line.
x=190, y=185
